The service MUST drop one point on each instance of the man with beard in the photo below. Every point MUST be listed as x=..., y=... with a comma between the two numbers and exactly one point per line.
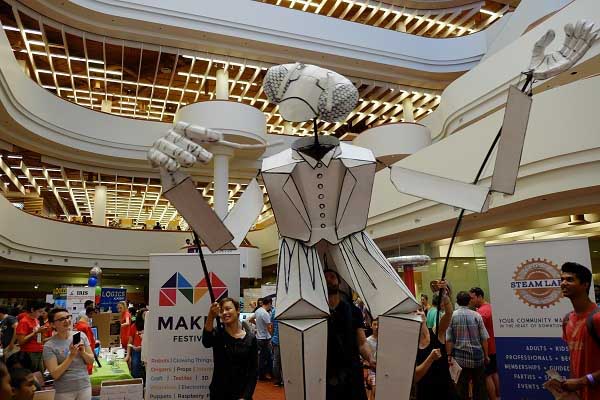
x=345, y=342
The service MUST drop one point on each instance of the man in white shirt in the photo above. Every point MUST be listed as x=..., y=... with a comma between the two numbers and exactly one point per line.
x=264, y=329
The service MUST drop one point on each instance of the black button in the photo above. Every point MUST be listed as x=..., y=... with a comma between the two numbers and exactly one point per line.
x=323, y=226
x=319, y=165
x=321, y=206
x=319, y=176
x=321, y=196
x=320, y=186
x=322, y=215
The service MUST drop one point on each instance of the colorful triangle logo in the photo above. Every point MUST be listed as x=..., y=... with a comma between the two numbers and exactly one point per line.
x=178, y=282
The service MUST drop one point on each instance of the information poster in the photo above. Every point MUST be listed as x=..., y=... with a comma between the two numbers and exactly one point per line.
x=60, y=297
x=76, y=298
x=528, y=310
x=178, y=366
x=110, y=297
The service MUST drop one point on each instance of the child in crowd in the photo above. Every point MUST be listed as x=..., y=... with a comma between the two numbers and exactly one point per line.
x=22, y=360
x=23, y=384
x=372, y=341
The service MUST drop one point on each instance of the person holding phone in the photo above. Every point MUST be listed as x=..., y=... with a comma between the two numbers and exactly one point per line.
x=30, y=334
x=432, y=372
x=66, y=356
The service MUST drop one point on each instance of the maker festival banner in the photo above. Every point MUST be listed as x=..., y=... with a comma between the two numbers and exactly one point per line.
x=178, y=366
x=528, y=310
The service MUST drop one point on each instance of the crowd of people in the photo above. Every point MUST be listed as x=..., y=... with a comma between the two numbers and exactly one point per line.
x=456, y=354
x=43, y=349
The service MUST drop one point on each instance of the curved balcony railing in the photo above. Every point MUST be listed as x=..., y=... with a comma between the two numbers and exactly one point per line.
x=39, y=240
x=250, y=27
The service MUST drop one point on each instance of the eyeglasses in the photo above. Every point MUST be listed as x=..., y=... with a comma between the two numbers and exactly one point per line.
x=62, y=319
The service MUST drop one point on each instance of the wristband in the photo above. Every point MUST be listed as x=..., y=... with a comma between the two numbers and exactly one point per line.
x=590, y=379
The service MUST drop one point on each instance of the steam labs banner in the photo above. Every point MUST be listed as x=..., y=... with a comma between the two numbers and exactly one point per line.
x=178, y=366
x=110, y=297
x=528, y=309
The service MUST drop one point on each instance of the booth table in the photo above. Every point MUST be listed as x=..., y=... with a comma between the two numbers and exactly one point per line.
x=117, y=372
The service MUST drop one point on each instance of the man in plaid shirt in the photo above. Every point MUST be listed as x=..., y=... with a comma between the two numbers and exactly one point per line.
x=466, y=342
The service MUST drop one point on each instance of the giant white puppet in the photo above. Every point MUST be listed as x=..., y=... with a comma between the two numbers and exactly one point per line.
x=320, y=191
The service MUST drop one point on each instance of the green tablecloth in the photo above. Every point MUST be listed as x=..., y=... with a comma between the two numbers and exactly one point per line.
x=109, y=372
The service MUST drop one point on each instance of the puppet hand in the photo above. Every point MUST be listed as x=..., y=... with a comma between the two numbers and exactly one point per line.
x=578, y=39
x=180, y=147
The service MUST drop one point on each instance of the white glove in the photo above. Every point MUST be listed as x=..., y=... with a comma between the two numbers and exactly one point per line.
x=181, y=148
x=578, y=39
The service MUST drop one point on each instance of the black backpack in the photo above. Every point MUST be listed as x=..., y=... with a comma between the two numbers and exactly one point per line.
x=589, y=323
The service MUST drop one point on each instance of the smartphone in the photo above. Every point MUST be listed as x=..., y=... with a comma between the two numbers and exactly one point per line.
x=76, y=338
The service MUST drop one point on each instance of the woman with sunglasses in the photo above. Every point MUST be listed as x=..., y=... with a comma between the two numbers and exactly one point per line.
x=67, y=361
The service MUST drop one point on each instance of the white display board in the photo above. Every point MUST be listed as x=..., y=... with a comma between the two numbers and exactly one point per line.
x=528, y=310
x=76, y=298
x=178, y=366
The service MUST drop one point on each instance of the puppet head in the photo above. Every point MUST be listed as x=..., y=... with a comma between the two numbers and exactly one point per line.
x=304, y=92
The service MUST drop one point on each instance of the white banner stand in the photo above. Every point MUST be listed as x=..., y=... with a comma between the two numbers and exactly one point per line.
x=178, y=366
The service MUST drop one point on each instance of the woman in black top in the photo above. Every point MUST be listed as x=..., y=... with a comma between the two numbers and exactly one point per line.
x=235, y=353
x=432, y=374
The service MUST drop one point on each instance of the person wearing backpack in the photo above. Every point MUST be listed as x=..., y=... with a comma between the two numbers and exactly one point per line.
x=581, y=331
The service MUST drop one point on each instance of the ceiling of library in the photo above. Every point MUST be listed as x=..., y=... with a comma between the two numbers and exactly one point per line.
x=145, y=81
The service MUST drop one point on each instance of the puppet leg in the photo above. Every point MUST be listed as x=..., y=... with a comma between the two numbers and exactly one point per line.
x=362, y=265
x=302, y=312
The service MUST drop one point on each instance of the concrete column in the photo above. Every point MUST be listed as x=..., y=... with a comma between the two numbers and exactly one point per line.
x=99, y=215
x=287, y=128
x=408, y=110
x=222, y=84
x=106, y=106
x=221, y=156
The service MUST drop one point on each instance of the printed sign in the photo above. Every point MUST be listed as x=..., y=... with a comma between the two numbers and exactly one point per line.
x=76, y=298
x=110, y=297
x=528, y=310
x=179, y=367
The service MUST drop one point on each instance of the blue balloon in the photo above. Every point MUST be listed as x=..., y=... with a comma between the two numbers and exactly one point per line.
x=92, y=281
